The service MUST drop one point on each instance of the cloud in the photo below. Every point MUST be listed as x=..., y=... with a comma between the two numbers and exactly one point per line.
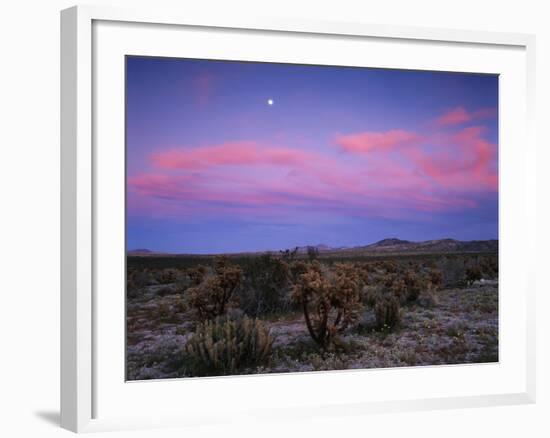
x=465, y=162
x=459, y=115
x=230, y=154
x=365, y=142
x=394, y=173
x=453, y=117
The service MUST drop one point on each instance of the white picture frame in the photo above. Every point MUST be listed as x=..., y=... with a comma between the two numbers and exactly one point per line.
x=83, y=316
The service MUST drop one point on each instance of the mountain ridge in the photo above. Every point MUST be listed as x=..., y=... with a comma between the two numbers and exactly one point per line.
x=388, y=245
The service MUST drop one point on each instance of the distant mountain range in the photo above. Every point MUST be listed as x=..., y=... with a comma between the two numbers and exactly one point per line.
x=390, y=245
x=140, y=251
x=430, y=246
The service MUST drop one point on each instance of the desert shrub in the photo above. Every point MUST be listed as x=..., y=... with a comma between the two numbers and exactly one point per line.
x=435, y=279
x=331, y=300
x=179, y=305
x=265, y=282
x=473, y=274
x=399, y=289
x=162, y=312
x=296, y=269
x=363, y=273
x=140, y=279
x=227, y=346
x=214, y=294
x=387, y=312
x=328, y=362
x=390, y=266
x=428, y=297
x=414, y=284
x=370, y=294
x=163, y=291
x=166, y=276
x=196, y=274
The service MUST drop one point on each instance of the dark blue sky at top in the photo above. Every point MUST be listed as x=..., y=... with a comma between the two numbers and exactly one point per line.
x=180, y=104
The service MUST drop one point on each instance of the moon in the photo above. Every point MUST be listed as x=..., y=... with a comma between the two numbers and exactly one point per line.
x=270, y=102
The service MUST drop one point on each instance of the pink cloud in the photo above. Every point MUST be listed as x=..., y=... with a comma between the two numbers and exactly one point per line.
x=229, y=154
x=365, y=142
x=459, y=115
x=388, y=174
x=465, y=162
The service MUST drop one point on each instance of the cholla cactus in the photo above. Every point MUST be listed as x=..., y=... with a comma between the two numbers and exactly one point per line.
x=225, y=346
x=331, y=301
x=387, y=311
x=363, y=272
x=212, y=296
x=297, y=268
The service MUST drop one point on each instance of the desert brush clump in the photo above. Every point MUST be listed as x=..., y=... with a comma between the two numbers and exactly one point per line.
x=212, y=297
x=387, y=311
x=227, y=346
x=196, y=274
x=138, y=280
x=399, y=289
x=265, y=286
x=414, y=284
x=370, y=294
x=473, y=274
x=330, y=300
x=166, y=276
x=435, y=278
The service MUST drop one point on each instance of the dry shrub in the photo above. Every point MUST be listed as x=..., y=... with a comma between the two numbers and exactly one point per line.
x=196, y=274
x=399, y=289
x=435, y=279
x=473, y=274
x=331, y=300
x=428, y=297
x=414, y=284
x=370, y=293
x=212, y=297
x=166, y=276
x=265, y=286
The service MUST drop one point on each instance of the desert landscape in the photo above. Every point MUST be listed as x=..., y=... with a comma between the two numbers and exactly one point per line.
x=285, y=218
x=393, y=303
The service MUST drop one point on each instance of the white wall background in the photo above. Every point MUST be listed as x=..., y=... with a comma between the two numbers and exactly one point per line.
x=29, y=215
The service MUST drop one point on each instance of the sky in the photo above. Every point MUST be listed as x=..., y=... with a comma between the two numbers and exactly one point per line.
x=228, y=156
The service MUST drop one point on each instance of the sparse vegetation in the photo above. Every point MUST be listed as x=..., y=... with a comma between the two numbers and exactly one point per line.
x=473, y=274
x=294, y=311
x=212, y=296
x=266, y=286
x=227, y=346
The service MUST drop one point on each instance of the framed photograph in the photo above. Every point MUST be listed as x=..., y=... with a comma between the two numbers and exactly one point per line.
x=284, y=218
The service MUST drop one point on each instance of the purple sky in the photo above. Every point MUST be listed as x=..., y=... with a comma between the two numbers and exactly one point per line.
x=343, y=156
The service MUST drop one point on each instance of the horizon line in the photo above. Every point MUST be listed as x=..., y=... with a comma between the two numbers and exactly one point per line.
x=137, y=250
